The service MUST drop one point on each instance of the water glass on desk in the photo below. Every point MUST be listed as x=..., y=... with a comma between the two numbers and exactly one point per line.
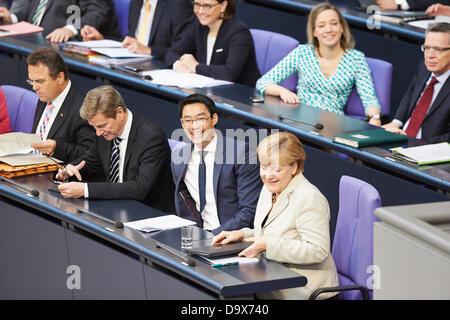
x=186, y=237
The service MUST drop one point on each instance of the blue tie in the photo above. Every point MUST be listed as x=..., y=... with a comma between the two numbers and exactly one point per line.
x=202, y=181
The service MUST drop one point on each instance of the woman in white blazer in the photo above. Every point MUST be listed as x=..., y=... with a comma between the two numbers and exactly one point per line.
x=292, y=219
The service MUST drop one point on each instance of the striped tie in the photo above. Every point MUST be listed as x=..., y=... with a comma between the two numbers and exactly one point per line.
x=114, y=163
x=46, y=120
x=39, y=11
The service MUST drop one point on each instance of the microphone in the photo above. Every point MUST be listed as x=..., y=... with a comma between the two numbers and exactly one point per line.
x=31, y=191
x=318, y=125
x=117, y=224
x=187, y=260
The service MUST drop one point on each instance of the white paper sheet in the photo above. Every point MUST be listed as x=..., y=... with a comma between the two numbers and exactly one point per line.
x=168, y=77
x=159, y=223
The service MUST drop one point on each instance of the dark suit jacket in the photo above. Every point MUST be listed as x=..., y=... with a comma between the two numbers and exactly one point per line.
x=96, y=13
x=169, y=22
x=146, y=177
x=424, y=4
x=73, y=135
x=233, y=56
x=236, y=186
x=436, y=125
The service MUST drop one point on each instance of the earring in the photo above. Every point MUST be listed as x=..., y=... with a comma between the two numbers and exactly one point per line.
x=222, y=14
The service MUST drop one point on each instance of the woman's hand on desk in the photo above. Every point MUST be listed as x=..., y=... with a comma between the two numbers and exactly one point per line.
x=227, y=237
x=286, y=95
x=189, y=62
x=135, y=46
x=72, y=189
x=259, y=245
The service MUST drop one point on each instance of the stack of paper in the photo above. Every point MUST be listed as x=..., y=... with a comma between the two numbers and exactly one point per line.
x=427, y=154
x=109, y=48
x=184, y=80
x=159, y=223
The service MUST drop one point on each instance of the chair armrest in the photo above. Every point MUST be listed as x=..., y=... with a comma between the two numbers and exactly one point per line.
x=317, y=292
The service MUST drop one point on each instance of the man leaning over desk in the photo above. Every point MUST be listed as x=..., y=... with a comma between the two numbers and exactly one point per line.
x=132, y=152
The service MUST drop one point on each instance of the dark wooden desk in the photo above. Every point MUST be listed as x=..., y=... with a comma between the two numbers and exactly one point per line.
x=398, y=182
x=45, y=244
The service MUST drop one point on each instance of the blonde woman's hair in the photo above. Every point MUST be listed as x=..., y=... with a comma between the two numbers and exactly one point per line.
x=286, y=146
x=347, y=41
x=104, y=99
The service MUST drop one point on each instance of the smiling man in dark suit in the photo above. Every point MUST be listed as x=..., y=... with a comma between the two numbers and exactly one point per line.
x=57, y=120
x=153, y=25
x=132, y=152
x=217, y=181
x=424, y=111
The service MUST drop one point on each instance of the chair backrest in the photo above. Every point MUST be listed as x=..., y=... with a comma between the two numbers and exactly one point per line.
x=270, y=48
x=21, y=104
x=122, y=8
x=382, y=78
x=353, y=240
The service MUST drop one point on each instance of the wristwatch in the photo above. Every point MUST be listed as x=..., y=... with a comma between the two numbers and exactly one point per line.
x=376, y=116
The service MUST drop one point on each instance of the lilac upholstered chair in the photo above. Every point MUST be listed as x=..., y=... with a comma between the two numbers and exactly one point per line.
x=122, y=7
x=270, y=48
x=21, y=104
x=382, y=78
x=353, y=240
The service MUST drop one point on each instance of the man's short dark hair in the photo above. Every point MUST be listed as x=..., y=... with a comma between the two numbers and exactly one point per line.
x=439, y=27
x=197, y=98
x=51, y=59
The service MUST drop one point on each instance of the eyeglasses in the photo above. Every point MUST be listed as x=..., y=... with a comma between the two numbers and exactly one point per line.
x=438, y=50
x=37, y=83
x=207, y=6
x=190, y=122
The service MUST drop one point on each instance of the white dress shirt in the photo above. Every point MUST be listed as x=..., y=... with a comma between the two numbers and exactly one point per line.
x=209, y=214
x=57, y=103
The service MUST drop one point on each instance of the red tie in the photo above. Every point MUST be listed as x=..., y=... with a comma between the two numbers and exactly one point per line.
x=421, y=110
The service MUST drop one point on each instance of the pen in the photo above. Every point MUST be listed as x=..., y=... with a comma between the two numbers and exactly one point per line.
x=218, y=265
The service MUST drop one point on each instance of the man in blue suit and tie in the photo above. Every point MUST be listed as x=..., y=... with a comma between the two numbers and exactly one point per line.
x=217, y=181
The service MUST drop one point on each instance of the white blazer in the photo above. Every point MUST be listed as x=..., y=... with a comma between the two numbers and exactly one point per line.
x=298, y=235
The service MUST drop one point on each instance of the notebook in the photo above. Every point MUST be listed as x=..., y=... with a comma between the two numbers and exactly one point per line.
x=207, y=250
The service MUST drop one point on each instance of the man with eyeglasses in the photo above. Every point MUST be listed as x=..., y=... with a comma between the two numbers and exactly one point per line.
x=57, y=121
x=216, y=178
x=424, y=111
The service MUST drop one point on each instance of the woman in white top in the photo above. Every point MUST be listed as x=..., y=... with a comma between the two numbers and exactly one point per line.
x=292, y=219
